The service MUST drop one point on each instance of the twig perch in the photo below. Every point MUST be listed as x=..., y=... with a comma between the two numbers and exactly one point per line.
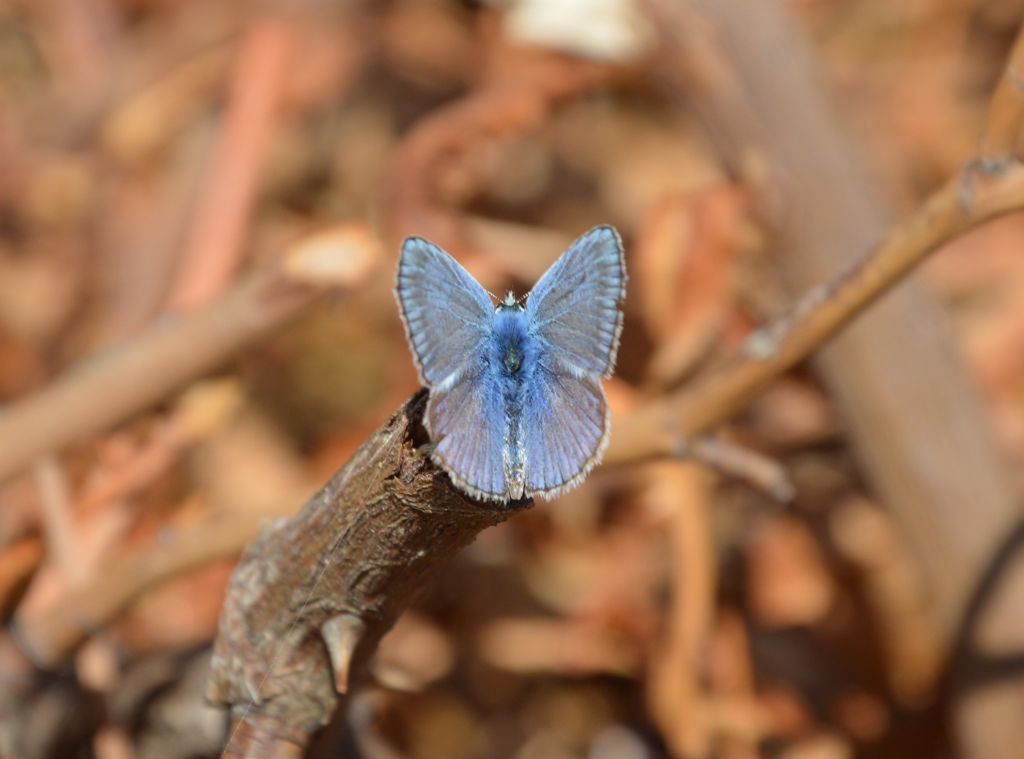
x=312, y=597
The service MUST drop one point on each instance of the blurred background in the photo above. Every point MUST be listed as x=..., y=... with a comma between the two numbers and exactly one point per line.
x=156, y=155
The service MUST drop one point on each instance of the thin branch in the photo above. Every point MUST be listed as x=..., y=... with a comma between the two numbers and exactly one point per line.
x=111, y=387
x=655, y=430
x=896, y=376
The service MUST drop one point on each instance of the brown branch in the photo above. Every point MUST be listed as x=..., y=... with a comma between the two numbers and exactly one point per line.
x=312, y=597
x=898, y=393
x=658, y=429
x=122, y=382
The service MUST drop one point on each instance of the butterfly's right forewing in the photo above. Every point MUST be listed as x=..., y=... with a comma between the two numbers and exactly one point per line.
x=447, y=314
x=576, y=307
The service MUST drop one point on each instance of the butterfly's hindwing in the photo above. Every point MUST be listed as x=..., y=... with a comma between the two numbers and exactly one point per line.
x=566, y=426
x=467, y=423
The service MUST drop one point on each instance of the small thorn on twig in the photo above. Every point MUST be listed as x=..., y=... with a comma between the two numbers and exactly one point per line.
x=216, y=691
x=342, y=634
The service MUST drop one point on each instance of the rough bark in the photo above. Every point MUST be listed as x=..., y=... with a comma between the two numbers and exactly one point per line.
x=317, y=591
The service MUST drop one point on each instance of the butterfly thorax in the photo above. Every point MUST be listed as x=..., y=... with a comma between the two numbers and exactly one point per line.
x=510, y=340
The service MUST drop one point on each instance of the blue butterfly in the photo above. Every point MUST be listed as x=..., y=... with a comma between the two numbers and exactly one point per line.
x=516, y=406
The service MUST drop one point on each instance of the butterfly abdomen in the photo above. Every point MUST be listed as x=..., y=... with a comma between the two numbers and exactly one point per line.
x=512, y=361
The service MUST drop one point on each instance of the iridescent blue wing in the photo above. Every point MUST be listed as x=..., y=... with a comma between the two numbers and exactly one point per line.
x=466, y=420
x=565, y=427
x=447, y=315
x=574, y=310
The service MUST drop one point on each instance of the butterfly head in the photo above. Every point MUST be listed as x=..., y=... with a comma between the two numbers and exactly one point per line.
x=510, y=302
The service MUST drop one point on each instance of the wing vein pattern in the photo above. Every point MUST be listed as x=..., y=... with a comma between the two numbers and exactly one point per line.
x=526, y=414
